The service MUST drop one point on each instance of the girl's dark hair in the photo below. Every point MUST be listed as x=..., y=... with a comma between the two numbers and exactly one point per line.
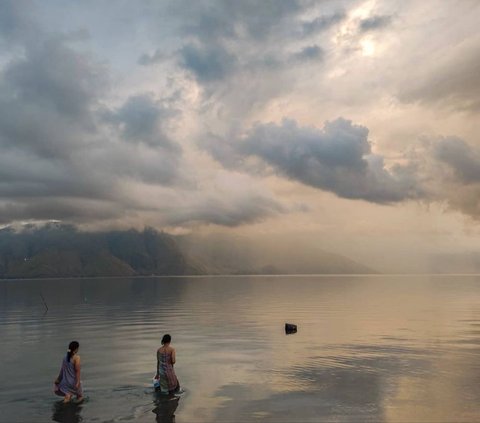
x=74, y=345
x=166, y=339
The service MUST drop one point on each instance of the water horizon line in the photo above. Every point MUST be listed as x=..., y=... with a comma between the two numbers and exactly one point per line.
x=229, y=275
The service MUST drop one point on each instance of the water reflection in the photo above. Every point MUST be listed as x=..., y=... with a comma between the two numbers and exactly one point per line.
x=67, y=413
x=369, y=349
x=165, y=407
x=349, y=386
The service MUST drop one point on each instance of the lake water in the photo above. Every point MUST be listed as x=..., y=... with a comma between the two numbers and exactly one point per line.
x=368, y=348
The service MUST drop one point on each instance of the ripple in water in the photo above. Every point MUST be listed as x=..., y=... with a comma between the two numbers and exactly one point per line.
x=368, y=348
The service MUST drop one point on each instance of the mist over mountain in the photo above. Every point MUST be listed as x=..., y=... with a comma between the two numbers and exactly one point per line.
x=57, y=250
x=229, y=254
x=465, y=262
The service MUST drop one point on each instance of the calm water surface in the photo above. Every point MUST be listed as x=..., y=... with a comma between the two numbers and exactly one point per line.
x=372, y=348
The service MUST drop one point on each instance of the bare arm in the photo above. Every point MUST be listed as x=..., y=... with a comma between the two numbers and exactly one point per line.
x=76, y=362
x=173, y=356
x=158, y=364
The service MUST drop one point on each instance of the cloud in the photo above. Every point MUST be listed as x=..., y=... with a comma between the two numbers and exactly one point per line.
x=47, y=98
x=150, y=59
x=25, y=175
x=208, y=21
x=235, y=211
x=141, y=119
x=55, y=77
x=66, y=153
x=374, y=23
x=337, y=158
x=16, y=23
x=207, y=63
x=450, y=77
x=63, y=154
x=322, y=23
x=461, y=158
x=313, y=52
x=75, y=210
x=225, y=198
x=84, y=118
x=244, y=54
x=240, y=57
x=220, y=34
x=452, y=170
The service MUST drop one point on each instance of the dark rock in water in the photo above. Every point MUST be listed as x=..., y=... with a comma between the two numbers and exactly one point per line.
x=290, y=328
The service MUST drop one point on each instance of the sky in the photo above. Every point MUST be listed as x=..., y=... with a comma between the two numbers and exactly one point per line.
x=351, y=126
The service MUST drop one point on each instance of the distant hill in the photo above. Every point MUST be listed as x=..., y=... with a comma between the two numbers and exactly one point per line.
x=62, y=251
x=57, y=250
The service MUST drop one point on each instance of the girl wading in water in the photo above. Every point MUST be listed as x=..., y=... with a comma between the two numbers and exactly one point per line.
x=168, y=382
x=68, y=382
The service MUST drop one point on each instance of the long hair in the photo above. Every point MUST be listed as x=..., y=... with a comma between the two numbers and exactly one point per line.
x=166, y=339
x=74, y=345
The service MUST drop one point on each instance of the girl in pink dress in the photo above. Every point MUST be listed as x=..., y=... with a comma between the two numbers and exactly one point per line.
x=168, y=382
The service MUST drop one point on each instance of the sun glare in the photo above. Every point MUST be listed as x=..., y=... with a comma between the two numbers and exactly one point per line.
x=368, y=47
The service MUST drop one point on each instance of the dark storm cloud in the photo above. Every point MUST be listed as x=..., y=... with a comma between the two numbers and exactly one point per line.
x=58, y=159
x=47, y=97
x=207, y=62
x=374, y=23
x=73, y=210
x=25, y=175
x=337, y=158
x=140, y=119
x=53, y=76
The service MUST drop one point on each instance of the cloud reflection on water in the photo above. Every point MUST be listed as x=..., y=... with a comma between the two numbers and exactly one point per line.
x=351, y=387
x=370, y=349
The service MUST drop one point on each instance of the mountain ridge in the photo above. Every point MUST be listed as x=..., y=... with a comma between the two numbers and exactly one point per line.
x=58, y=250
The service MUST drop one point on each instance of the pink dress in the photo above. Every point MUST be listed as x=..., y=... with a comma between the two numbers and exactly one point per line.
x=167, y=377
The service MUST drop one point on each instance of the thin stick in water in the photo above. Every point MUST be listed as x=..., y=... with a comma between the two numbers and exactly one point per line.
x=44, y=302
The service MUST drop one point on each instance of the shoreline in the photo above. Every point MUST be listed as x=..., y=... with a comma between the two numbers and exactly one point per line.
x=287, y=275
